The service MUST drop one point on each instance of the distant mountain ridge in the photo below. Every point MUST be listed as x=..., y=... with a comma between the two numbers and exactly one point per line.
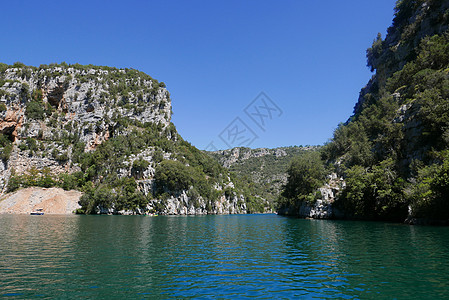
x=265, y=169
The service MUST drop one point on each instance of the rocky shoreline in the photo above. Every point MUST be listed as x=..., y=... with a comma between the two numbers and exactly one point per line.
x=59, y=201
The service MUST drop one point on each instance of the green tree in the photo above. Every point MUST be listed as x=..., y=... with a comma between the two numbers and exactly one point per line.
x=305, y=174
x=96, y=198
x=375, y=194
x=139, y=166
x=429, y=193
x=35, y=110
x=173, y=176
x=5, y=147
x=374, y=53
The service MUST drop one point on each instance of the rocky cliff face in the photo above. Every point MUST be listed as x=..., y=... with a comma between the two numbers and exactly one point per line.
x=101, y=130
x=230, y=157
x=413, y=24
x=185, y=205
x=50, y=105
x=413, y=21
x=324, y=206
x=84, y=98
x=393, y=151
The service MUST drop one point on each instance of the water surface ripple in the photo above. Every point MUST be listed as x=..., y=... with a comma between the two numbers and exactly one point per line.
x=237, y=256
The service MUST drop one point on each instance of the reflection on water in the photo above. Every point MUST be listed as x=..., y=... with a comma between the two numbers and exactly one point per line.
x=365, y=259
x=219, y=256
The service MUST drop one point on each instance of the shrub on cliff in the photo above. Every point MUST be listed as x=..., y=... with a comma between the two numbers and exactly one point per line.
x=35, y=110
x=173, y=176
x=429, y=191
x=375, y=193
x=139, y=166
x=72, y=181
x=33, y=177
x=5, y=147
x=95, y=198
x=37, y=95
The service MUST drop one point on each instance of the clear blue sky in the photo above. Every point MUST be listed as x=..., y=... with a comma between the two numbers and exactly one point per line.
x=216, y=56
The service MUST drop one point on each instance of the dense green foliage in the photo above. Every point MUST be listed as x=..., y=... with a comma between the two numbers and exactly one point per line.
x=192, y=171
x=35, y=110
x=306, y=174
x=42, y=178
x=392, y=151
x=377, y=136
x=375, y=193
x=123, y=195
x=429, y=193
x=174, y=176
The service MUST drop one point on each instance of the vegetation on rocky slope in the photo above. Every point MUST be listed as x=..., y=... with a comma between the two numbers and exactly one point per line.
x=393, y=151
x=306, y=173
x=106, y=132
x=262, y=171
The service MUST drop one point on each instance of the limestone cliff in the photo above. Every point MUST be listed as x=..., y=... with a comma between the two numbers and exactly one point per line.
x=104, y=131
x=55, y=104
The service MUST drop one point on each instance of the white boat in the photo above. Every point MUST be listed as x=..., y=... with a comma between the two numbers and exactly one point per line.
x=37, y=212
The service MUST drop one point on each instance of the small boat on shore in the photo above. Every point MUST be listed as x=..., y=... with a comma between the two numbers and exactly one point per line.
x=37, y=212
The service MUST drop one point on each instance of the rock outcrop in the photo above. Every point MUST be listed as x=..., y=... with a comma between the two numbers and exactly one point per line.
x=324, y=207
x=185, y=205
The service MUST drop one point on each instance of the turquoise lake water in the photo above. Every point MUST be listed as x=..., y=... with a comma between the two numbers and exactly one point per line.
x=203, y=257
